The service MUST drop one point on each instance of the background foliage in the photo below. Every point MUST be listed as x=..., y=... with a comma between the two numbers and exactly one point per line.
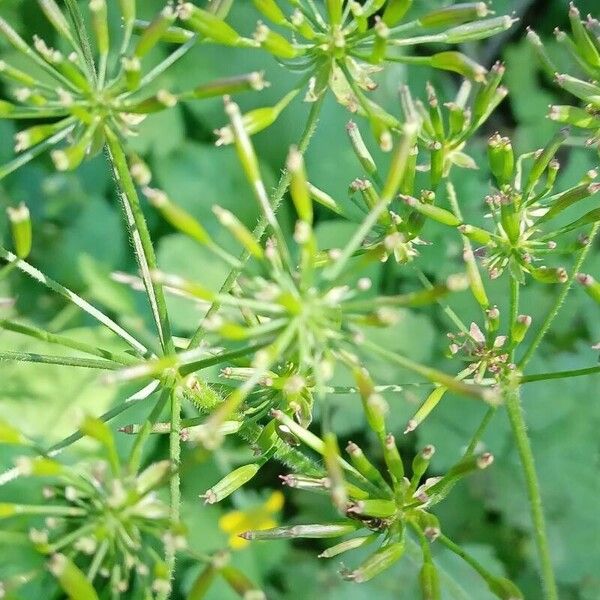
x=79, y=241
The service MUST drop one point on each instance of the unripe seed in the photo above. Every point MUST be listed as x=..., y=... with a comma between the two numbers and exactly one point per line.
x=383, y=559
x=20, y=224
x=230, y=483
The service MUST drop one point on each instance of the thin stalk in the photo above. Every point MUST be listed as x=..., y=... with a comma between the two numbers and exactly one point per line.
x=292, y=458
x=146, y=258
x=284, y=182
x=61, y=340
x=82, y=37
x=132, y=400
x=220, y=8
x=469, y=257
x=175, y=482
x=429, y=373
x=168, y=62
x=334, y=270
x=14, y=473
x=560, y=374
x=555, y=309
x=138, y=230
x=73, y=298
x=407, y=60
x=470, y=560
x=221, y=358
x=362, y=99
x=6, y=270
x=71, y=537
x=519, y=429
x=514, y=306
x=135, y=457
x=489, y=415
x=452, y=316
x=45, y=509
x=65, y=361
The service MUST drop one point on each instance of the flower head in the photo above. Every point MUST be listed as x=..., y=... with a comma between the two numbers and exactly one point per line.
x=341, y=46
x=107, y=519
x=85, y=97
x=443, y=132
x=293, y=302
x=482, y=353
x=523, y=207
x=377, y=506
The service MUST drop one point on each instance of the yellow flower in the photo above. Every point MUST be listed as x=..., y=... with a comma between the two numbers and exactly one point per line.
x=257, y=517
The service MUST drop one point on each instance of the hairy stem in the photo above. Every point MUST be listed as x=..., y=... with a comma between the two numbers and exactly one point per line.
x=135, y=458
x=83, y=48
x=519, y=429
x=47, y=336
x=74, y=299
x=175, y=482
x=140, y=236
x=514, y=307
x=146, y=258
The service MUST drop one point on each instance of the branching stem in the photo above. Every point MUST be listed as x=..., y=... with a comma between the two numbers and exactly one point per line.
x=284, y=182
x=560, y=299
x=519, y=429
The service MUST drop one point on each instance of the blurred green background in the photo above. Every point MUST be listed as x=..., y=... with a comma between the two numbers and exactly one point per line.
x=79, y=240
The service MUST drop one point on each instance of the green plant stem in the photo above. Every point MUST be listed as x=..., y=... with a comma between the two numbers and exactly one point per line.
x=29, y=155
x=476, y=565
x=450, y=313
x=334, y=270
x=140, y=236
x=105, y=417
x=489, y=415
x=429, y=373
x=292, y=458
x=72, y=297
x=519, y=429
x=555, y=309
x=45, y=509
x=65, y=361
x=476, y=283
x=135, y=458
x=175, y=481
x=146, y=258
x=217, y=359
x=560, y=374
x=84, y=48
x=220, y=8
x=514, y=307
x=61, y=340
x=259, y=230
